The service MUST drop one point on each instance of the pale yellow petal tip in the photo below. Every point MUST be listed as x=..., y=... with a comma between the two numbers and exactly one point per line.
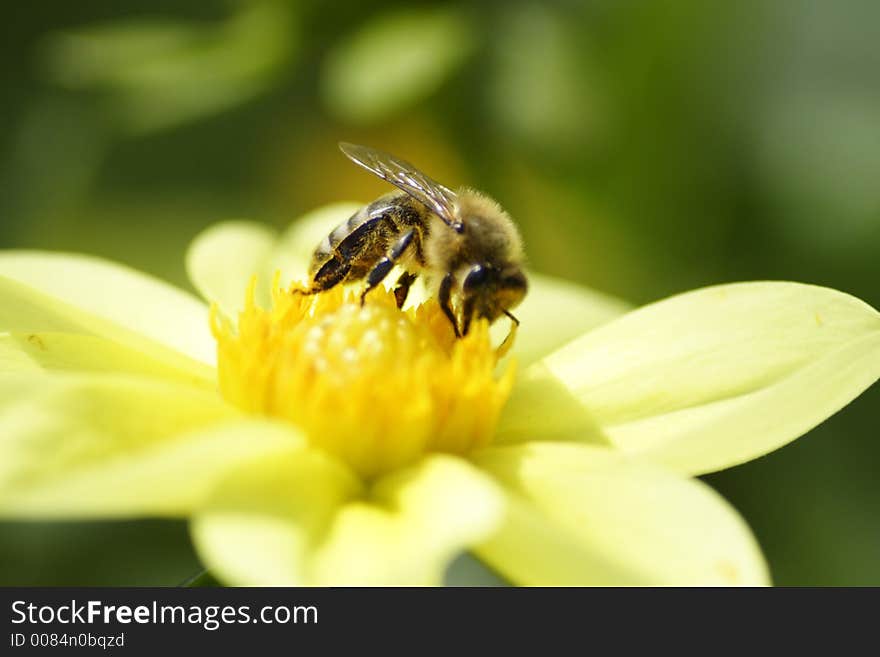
x=728, y=573
x=371, y=384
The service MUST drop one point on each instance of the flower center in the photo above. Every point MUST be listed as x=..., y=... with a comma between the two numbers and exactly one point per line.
x=373, y=385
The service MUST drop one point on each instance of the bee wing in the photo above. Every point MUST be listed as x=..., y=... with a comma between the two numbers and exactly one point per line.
x=438, y=198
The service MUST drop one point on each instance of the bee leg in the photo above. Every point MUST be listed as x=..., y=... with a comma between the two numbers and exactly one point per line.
x=467, y=314
x=329, y=275
x=401, y=289
x=443, y=297
x=380, y=270
x=507, y=343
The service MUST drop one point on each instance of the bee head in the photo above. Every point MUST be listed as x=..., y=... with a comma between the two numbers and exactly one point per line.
x=490, y=291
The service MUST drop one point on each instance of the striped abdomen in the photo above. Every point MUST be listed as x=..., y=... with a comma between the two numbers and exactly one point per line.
x=351, y=250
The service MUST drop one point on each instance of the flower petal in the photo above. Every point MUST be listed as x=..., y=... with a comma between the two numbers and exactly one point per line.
x=88, y=445
x=308, y=521
x=581, y=515
x=542, y=408
x=45, y=351
x=297, y=244
x=28, y=316
x=555, y=312
x=222, y=259
x=135, y=301
x=415, y=523
x=263, y=521
x=719, y=376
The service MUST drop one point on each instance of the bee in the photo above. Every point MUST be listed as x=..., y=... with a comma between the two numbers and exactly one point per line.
x=464, y=245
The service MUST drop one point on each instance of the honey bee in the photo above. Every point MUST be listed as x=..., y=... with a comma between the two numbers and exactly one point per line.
x=462, y=242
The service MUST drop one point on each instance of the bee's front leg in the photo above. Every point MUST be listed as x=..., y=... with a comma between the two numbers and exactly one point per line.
x=443, y=296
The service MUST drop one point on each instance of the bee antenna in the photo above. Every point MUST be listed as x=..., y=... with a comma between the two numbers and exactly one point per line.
x=512, y=318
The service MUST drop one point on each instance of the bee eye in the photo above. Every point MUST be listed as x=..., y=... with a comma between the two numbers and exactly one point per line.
x=476, y=277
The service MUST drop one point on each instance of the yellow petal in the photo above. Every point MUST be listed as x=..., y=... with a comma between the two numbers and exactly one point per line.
x=412, y=526
x=31, y=315
x=222, y=259
x=263, y=521
x=46, y=351
x=307, y=521
x=555, y=312
x=719, y=376
x=297, y=244
x=581, y=515
x=543, y=408
x=115, y=293
x=89, y=445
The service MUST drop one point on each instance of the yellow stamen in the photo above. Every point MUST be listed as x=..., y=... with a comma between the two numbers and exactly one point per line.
x=373, y=385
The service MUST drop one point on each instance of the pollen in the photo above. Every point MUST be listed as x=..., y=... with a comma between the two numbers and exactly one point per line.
x=375, y=386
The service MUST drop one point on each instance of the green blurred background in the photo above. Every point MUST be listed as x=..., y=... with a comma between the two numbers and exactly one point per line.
x=645, y=148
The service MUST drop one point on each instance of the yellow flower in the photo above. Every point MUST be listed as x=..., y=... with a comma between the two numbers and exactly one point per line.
x=370, y=385
x=318, y=442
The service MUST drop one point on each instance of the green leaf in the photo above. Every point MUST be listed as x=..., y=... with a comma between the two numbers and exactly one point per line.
x=164, y=73
x=395, y=61
x=544, y=89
